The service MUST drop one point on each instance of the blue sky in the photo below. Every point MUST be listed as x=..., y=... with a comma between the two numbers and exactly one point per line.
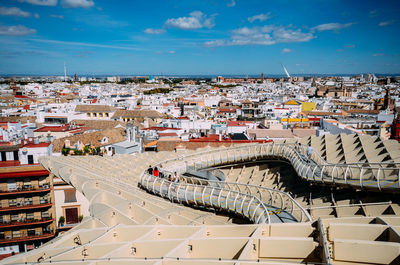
x=199, y=37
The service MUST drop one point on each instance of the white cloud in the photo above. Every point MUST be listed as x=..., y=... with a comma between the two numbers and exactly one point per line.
x=386, y=23
x=19, y=30
x=36, y=15
x=154, y=31
x=86, y=44
x=332, y=26
x=378, y=54
x=231, y=3
x=40, y=2
x=266, y=35
x=171, y=52
x=13, y=11
x=260, y=17
x=57, y=16
x=352, y=46
x=77, y=3
x=196, y=20
x=286, y=50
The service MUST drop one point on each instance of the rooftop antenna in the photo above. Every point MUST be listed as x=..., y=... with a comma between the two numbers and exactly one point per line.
x=65, y=72
x=286, y=72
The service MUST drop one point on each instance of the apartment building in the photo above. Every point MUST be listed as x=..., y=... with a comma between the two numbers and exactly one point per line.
x=27, y=214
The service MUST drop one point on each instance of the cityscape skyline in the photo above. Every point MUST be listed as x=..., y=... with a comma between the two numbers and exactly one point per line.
x=198, y=38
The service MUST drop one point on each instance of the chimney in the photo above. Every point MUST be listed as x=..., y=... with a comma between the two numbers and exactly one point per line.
x=130, y=132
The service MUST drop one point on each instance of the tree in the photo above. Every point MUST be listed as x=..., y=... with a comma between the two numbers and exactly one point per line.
x=65, y=151
x=86, y=149
x=61, y=220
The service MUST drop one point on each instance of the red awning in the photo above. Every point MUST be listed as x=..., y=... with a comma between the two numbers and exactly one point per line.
x=24, y=174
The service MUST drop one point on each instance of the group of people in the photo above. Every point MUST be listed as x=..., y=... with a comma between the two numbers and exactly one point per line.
x=309, y=150
x=160, y=174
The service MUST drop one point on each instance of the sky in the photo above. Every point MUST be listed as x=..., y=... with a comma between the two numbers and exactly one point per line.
x=199, y=37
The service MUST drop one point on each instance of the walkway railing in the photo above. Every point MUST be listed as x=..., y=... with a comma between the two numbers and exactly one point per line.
x=381, y=176
x=209, y=196
x=268, y=196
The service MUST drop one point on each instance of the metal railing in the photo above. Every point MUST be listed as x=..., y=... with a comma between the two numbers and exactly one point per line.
x=244, y=204
x=268, y=196
x=382, y=176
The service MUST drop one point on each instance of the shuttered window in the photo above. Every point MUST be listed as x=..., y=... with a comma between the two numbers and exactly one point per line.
x=70, y=195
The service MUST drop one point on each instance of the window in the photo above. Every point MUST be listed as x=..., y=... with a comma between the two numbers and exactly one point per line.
x=9, y=156
x=30, y=216
x=16, y=234
x=28, y=201
x=45, y=214
x=94, y=114
x=101, y=115
x=44, y=199
x=31, y=232
x=14, y=217
x=43, y=183
x=12, y=202
x=3, y=156
x=46, y=229
x=107, y=115
x=11, y=184
x=27, y=184
x=70, y=195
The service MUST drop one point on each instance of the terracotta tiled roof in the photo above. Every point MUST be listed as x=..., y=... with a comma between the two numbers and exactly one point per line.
x=300, y=133
x=239, y=123
x=269, y=133
x=22, y=119
x=323, y=113
x=54, y=128
x=362, y=111
x=136, y=114
x=114, y=136
x=98, y=124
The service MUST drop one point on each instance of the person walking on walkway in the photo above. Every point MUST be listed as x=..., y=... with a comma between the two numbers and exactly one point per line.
x=298, y=147
x=150, y=170
x=156, y=172
x=309, y=151
x=176, y=178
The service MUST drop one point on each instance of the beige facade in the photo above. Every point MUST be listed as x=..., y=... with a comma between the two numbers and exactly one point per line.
x=69, y=203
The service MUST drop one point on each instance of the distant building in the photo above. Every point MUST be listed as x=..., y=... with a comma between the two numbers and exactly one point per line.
x=100, y=112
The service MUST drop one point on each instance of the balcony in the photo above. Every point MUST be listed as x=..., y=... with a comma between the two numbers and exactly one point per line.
x=26, y=206
x=26, y=189
x=26, y=222
x=25, y=237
